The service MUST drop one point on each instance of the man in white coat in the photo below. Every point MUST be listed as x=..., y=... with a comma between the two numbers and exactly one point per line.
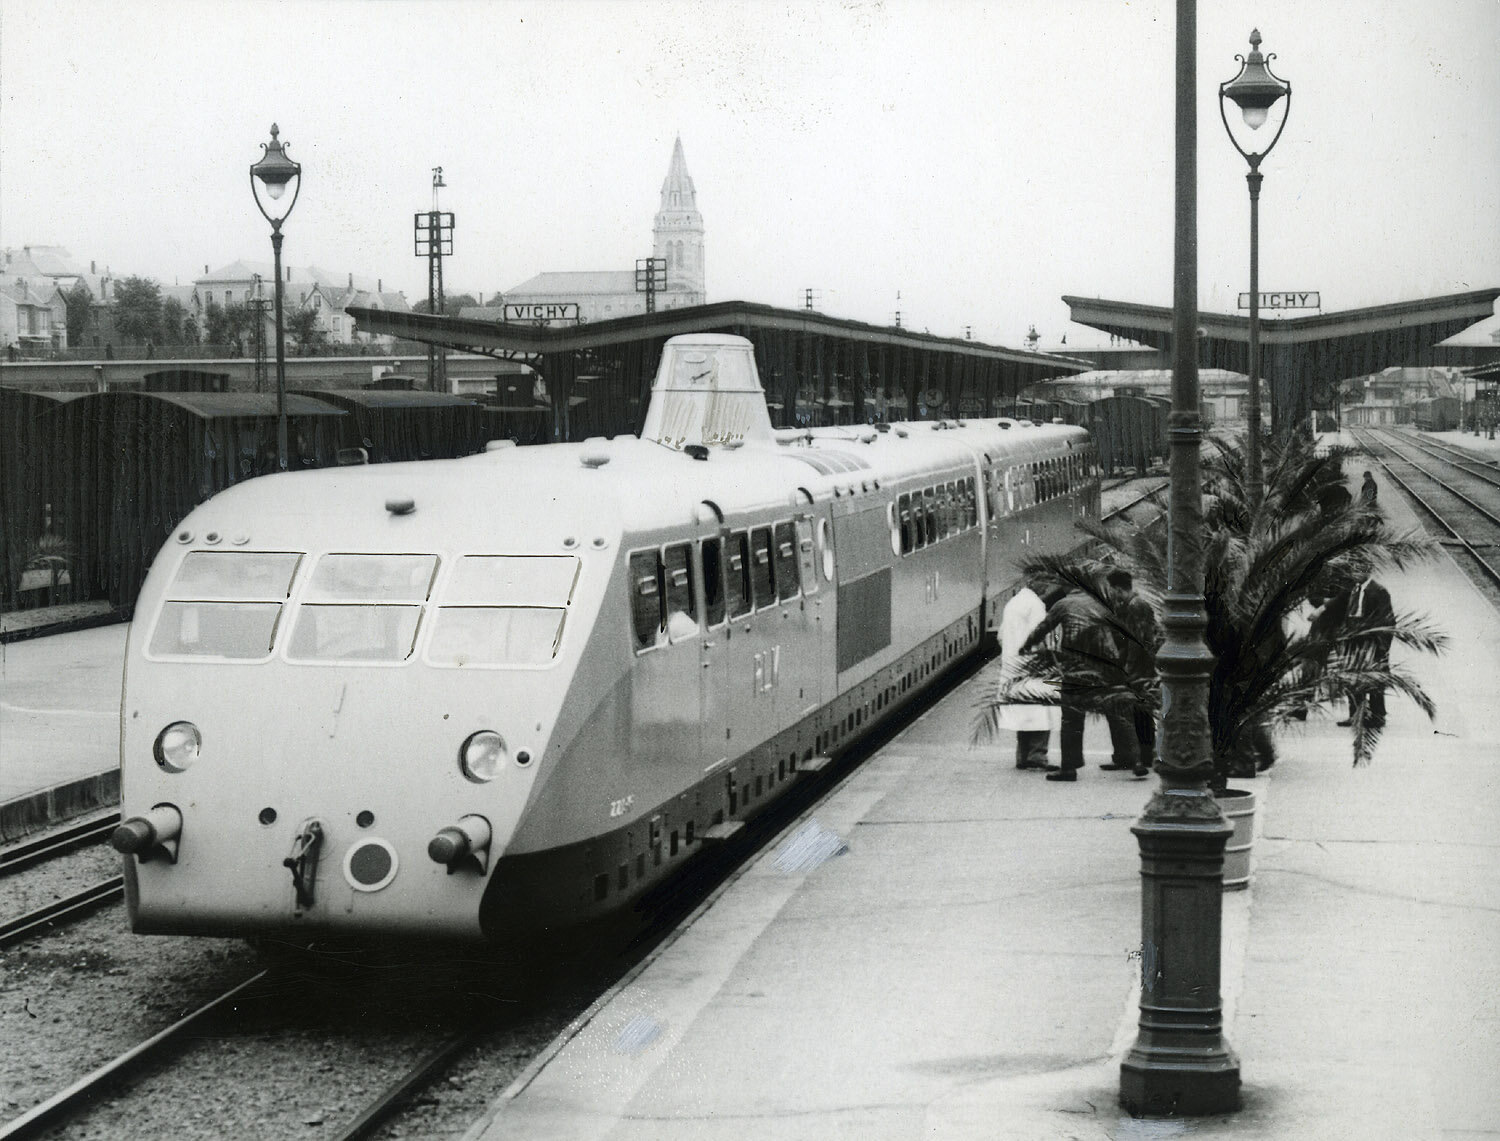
x=1032, y=724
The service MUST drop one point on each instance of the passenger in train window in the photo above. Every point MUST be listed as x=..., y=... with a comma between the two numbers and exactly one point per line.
x=907, y=536
x=1031, y=723
x=929, y=514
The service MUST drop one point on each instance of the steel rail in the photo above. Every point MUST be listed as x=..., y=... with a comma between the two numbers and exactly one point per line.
x=1491, y=572
x=1139, y=499
x=399, y=1092
x=23, y=927
x=1444, y=484
x=70, y=1099
x=1464, y=461
x=40, y=850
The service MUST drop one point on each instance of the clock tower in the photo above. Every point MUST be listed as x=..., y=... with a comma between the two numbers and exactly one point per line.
x=678, y=236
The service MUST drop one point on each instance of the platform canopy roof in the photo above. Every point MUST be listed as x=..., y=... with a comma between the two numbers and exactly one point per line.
x=1302, y=358
x=516, y=339
x=811, y=365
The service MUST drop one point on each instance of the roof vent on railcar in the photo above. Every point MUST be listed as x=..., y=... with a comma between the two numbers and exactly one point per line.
x=707, y=392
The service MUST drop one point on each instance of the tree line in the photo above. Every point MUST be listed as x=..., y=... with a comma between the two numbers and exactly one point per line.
x=140, y=315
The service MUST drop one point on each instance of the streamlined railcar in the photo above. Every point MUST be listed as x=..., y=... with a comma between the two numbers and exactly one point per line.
x=488, y=697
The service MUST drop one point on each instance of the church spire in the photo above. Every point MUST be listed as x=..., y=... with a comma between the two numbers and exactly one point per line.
x=678, y=234
x=677, y=192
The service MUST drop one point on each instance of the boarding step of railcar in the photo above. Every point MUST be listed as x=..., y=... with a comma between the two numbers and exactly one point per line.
x=813, y=764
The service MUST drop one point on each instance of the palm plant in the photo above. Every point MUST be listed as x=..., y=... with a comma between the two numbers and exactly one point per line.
x=1261, y=566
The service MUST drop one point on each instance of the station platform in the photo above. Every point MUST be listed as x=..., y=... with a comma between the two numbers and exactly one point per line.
x=946, y=947
x=59, y=726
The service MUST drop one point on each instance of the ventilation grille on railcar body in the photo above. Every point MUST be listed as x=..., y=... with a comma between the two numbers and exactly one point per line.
x=828, y=462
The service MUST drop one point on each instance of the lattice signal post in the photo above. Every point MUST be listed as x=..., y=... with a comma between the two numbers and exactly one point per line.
x=650, y=279
x=260, y=306
x=434, y=241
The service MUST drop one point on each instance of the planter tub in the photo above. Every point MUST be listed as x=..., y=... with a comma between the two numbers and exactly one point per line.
x=1238, y=806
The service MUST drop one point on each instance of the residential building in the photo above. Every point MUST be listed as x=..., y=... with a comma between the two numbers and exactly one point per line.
x=33, y=315
x=328, y=294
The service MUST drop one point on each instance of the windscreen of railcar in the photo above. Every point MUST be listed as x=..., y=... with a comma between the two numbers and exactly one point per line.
x=503, y=610
x=225, y=604
x=362, y=607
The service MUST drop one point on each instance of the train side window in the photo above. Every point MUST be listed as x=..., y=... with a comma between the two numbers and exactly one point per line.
x=713, y=581
x=903, y=511
x=972, y=501
x=647, y=602
x=682, y=608
x=762, y=568
x=737, y=574
x=807, y=557
x=918, y=521
x=929, y=513
x=786, y=560
x=955, y=512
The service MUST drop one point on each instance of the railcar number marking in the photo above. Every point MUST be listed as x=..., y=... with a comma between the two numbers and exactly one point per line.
x=618, y=807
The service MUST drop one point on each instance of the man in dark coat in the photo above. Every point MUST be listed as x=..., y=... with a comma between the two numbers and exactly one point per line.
x=1370, y=619
x=1369, y=491
x=1139, y=638
x=1086, y=638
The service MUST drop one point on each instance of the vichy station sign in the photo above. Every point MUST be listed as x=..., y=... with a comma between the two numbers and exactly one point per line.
x=1303, y=300
x=554, y=311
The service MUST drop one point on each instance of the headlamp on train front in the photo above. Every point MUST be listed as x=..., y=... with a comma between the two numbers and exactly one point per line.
x=178, y=746
x=482, y=756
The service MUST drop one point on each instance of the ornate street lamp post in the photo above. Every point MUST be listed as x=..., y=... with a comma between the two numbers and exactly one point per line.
x=1255, y=90
x=275, y=170
x=1180, y=1062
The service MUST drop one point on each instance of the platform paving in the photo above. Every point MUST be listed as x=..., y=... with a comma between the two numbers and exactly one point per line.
x=59, y=722
x=966, y=968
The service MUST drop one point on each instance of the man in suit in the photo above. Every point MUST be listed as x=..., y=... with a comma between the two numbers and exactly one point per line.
x=1369, y=621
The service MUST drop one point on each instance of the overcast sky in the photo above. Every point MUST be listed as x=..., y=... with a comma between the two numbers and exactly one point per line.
x=981, y=159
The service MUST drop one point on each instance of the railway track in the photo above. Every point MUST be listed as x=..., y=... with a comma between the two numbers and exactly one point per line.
x=1464, y=461
x=62, y=911
x=1471, y=527
x=69, y=1101
x=19, y=857
x=34, y=853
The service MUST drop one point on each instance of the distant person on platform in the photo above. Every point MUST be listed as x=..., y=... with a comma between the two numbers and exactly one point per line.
x=1032, y=724
x=1086, y=637
x=1369, y=491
